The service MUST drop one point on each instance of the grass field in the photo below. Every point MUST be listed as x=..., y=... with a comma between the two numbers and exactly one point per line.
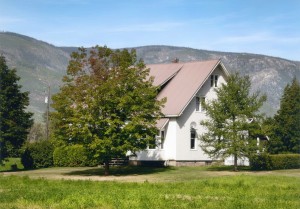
x=135, y=187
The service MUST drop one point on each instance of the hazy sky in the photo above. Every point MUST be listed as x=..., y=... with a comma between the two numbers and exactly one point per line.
x=270, y=27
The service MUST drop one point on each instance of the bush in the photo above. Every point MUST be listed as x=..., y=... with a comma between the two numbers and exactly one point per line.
x=285, y=161
x=260, y=162
x=72, y=156
x=37, y=155
x=275, y=162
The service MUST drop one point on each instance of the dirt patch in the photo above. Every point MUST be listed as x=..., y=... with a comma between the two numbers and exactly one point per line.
x=173, y=175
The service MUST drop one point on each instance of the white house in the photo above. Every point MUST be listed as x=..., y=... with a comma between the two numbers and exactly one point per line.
x=186, y=86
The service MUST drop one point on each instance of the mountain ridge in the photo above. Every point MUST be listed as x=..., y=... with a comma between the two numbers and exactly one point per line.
x=40, y=64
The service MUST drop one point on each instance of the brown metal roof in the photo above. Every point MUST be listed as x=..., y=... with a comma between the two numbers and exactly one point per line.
x=160, y=124
x=163, y=72
x=184, y=84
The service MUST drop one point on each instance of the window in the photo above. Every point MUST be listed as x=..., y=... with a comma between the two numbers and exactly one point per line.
x=214, y=80
x=152, y=144
x=162, y=139
x=199, y=104
x=193, y=138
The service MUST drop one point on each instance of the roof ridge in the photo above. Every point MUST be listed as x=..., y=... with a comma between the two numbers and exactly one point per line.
x=182, y=63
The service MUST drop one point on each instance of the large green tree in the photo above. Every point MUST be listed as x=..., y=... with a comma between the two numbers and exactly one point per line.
x=14, y=120
x=107, y=103
x=233, y=120
x=285, y=137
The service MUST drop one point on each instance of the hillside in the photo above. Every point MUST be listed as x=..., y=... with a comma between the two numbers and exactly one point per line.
x=38, y=62
x=268, y=74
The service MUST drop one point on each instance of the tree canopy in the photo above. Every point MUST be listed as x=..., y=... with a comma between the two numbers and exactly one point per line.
x=286, y=124
x=14, y=120
x=233, y=120
x=107, y=103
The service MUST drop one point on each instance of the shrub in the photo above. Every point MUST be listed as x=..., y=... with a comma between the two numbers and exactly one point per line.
x=285, y=161
x=260, y=162
x=37, y=155
x=273, y=162
x=72, y=156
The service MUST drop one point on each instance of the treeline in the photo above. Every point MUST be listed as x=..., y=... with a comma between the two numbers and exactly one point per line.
x=108, y=106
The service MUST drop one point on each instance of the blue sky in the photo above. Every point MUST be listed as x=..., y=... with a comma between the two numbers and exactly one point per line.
x=270, y=27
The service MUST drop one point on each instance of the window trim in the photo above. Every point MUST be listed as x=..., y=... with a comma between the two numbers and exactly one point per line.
x=199, y=101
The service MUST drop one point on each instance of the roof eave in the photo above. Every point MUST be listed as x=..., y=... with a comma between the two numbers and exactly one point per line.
x=171, y=116
x=172, y=76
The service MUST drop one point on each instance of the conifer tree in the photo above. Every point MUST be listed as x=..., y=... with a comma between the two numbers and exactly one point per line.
x=14, y=120
x=286, y=128
x=233, y=120
x=107, y=103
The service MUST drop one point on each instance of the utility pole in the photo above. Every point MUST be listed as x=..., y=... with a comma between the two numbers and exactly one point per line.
x=47, y=100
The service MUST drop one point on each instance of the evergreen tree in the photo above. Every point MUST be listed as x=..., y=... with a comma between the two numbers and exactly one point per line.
x=233, y=120
x=14, y=121
x=107, y=104
x=286, y=127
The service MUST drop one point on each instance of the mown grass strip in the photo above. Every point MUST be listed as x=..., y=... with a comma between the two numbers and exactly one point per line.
x=241, y=191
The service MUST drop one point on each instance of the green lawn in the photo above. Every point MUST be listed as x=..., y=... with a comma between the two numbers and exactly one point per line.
x=179, y=187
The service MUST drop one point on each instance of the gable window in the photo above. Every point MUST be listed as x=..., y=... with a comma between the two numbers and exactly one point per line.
x=214, y=80
x=162, y=139
x=200, y=101
x=193, y=138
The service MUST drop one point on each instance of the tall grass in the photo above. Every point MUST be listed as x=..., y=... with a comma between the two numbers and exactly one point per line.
x=241, y=191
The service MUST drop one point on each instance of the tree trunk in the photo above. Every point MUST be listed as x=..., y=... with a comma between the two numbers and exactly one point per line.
x=235, y=163
x=106, y=168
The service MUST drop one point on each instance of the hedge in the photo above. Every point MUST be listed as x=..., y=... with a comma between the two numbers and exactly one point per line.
x=72, y=156
x=275, y=162
x=37, y=155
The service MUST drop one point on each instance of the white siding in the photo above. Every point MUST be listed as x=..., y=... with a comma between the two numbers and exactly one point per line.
x=177, y=131
x=169, y=151
x=189, y=116
x=170, y=140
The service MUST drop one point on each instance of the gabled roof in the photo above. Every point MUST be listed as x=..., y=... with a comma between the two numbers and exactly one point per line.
x=160, y=124
x=185, y=79
x=163, y=72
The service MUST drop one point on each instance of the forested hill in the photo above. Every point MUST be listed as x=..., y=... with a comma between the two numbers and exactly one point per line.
x=38, y=62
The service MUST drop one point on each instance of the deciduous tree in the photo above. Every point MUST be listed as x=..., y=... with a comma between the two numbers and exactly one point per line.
x=14, y=120
x=232, y=120
x=107, y=103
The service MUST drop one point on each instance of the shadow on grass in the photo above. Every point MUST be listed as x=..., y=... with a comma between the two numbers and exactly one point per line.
x=120, y=171
x=227, y=168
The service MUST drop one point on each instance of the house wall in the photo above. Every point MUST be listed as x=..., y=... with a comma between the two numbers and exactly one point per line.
x=177, y=133
x=169, y=151
x=191, y=116
x=170, y=140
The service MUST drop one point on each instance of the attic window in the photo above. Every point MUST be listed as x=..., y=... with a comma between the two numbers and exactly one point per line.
x=214, y=80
